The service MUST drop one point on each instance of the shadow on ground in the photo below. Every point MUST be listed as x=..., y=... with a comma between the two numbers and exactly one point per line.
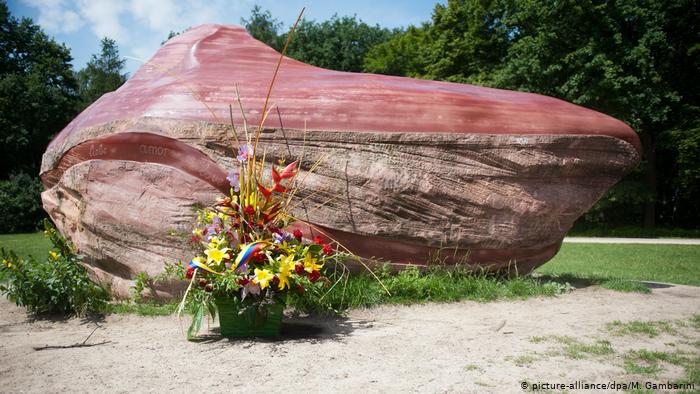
x=313, y=329
x=579, y=282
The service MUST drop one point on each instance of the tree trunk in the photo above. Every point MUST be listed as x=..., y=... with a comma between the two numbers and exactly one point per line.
x=649, y=143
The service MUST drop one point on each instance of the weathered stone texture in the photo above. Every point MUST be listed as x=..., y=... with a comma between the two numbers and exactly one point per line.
x=409, y=167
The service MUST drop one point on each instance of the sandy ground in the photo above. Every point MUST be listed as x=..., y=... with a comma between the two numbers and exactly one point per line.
x=460, y=347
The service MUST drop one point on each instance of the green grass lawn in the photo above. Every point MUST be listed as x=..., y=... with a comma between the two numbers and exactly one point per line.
x=618, y=267
x=662, y=263
x=678, y=264
x=35, y=244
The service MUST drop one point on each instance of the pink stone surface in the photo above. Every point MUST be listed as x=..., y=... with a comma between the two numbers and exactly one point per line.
x=410, y=167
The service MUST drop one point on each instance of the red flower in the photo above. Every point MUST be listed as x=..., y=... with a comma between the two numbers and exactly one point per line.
x=314, y=275
x=265, y=191
x=194, y=239
x=243, y=281
x=189, y=273
x=327, y=249
x=203, y=282
x=249, y=210
x=275, y=175
x=298, y=234
x=300, y=289
x=289, y=171
x=299, y=268
x=209, y=288
x=259, y=257
x=275, y=281
x=318, y=240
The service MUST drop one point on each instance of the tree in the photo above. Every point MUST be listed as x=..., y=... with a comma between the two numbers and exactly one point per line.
x=465, y=42
x=264, y=27
x=172, y=34
x=102, y=74
x=340, y=43
x=37, y=99
x=631, y=59
x=37, y=92
x=404, y=54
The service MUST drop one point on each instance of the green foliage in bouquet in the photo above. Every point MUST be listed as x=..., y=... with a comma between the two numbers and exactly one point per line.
x=58, y=285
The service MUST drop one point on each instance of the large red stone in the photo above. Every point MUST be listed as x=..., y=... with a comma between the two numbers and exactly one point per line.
x=413, y=171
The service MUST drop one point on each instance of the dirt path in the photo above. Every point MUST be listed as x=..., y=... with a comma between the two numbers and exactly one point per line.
x=643, y=241
x=461, y=347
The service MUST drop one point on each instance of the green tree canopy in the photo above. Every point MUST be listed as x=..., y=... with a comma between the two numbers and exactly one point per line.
x=102, y=74
x=340, y=43
x=406, y=54
x=631, y=59
x=261, y=25
x=37, y=93
x=38, y=97
x=337, y=44
x=465, y=42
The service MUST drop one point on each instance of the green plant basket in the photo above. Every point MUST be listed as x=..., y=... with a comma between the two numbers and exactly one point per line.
x=252, y=322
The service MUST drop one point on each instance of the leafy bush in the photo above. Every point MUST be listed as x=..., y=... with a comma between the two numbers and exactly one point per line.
x=20, y=203
x=58, y=285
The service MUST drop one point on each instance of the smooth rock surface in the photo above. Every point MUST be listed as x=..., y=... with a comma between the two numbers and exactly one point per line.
x=412, y=171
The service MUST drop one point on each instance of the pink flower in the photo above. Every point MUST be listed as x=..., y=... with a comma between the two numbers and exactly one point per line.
x=244, y=153
x=233, y=179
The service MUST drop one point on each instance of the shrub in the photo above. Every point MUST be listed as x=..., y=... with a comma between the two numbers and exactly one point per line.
x=58, y=285
x=20, y=203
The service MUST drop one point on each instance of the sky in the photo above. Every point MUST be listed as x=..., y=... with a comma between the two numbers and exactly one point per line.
x=139, y=26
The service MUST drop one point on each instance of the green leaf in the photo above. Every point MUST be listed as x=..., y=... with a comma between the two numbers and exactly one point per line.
x=197, y=317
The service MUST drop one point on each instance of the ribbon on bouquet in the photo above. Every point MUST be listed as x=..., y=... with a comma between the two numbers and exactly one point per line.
x=248, y=251
x=199, y=266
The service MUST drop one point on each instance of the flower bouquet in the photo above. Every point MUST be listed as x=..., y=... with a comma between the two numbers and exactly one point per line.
x=247, y=264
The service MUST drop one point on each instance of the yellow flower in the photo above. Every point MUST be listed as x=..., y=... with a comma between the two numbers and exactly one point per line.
x=53, y=255
x=197, y=232
x=215, y=242
x=286, y=269
x=216, y=255
x=262, y=278
x=209, y=216
x=310, y=263
x=7, y=263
